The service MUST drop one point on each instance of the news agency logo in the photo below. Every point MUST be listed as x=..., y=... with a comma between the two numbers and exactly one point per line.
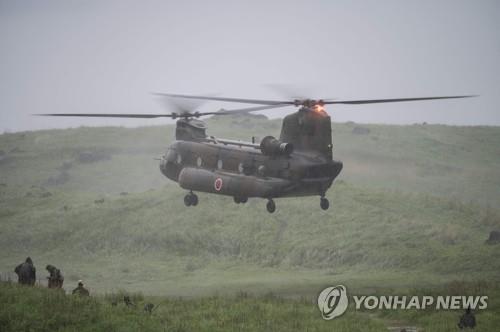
x=332, y=302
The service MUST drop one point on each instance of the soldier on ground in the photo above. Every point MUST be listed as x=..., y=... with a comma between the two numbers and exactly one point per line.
x=467, y=320
x=80, y=290
x=128, y=301
x=26, y=272
x=149, y=308
x=55, y=278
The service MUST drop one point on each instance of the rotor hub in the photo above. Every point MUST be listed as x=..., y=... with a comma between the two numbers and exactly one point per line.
x=309, y=103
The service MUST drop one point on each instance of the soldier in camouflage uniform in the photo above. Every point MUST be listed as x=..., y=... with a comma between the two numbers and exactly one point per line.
x=26, y=272
x=55, y=278
x=467, y=320
x=80, y=290
x=128, y=301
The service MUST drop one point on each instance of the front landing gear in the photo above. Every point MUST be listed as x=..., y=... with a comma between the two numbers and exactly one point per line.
x=191, y=199
x=271, y=206
x=324, y=203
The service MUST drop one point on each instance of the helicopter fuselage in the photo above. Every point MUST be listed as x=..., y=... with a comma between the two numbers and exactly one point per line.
x=242, y=171
x=300, y=163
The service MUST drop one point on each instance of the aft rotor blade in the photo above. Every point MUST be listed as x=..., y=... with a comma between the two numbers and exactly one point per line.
x=234, y=100
x=247, y=110
x=376, y=101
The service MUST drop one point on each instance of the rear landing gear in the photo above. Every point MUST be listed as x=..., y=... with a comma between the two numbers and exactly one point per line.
x=324, y=203
x=239, y=200
x=191, y=199
x=271, y=206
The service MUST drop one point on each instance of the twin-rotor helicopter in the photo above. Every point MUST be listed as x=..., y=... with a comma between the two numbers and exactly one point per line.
x=298, y=163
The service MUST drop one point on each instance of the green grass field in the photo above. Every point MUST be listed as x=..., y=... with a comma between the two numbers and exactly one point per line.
x=40, y=309
x=411, y=211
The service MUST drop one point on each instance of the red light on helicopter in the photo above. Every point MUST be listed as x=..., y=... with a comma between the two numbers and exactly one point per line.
x=319, y=108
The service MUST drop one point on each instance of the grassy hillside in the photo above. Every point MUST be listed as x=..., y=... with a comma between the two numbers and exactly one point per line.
x=40, y=309
x=454, y=162
x=411, y=209
x=153, y=239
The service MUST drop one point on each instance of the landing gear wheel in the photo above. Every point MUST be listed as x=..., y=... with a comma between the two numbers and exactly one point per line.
x=271, y=207
x=239, y=200
x=191, y=199
x=324, y=203
x=194, y=199
x=187, y=200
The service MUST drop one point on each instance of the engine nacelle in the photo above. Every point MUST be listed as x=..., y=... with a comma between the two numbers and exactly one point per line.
x=270, y=146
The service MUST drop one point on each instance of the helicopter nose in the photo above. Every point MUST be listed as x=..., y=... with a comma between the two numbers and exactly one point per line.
x=169, y=168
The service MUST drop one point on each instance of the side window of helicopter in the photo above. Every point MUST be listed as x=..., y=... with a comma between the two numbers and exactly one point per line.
x=219, y=164
x=199, y=161
x=179, y=158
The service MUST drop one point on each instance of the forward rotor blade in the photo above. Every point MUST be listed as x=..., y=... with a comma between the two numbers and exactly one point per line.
x=377, y=101
x=235, y=100
x=172, y=115
x=114, y=115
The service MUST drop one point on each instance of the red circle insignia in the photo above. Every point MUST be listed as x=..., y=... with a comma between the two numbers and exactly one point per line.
x=218, y=184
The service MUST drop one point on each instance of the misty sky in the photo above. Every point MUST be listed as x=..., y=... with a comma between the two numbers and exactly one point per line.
x=108, y=56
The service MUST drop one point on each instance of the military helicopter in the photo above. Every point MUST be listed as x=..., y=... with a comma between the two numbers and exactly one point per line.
x=299, y=163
